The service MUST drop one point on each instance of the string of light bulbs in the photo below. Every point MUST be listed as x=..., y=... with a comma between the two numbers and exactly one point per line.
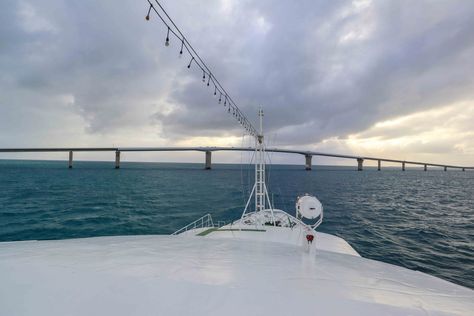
x=195, y=59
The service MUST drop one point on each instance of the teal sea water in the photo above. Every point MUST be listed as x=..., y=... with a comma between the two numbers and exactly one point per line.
x=420, y=220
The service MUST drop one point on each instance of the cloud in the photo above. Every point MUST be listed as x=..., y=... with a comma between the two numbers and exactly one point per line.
x=431, y=135
x=323, y=71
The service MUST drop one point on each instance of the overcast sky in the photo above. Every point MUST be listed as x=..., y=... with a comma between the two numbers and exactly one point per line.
x=382, y=78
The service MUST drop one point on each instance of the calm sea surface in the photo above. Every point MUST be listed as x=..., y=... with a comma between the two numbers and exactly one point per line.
x=419, y=220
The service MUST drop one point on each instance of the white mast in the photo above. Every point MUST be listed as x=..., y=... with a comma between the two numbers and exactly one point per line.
x=259, y=189
x=260, y=167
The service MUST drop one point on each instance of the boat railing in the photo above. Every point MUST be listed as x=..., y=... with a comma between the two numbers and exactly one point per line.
x=220, y=224
x=202, y=222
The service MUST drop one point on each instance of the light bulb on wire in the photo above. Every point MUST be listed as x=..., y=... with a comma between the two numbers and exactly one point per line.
x=190, y=62
x=167, y=41
x=181, y=51
x=148, y=14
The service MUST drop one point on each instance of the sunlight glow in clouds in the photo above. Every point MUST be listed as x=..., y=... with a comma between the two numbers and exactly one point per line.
x=433, y=135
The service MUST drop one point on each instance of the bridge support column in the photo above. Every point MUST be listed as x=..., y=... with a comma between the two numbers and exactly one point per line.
x=70, y=160
x=117, y=159
x=403, y=166
x=425, y=168
x=360, y=164
x=463, y=169
x=445, y=168
x=379, y=165
x=308, y=163
x=208, y=160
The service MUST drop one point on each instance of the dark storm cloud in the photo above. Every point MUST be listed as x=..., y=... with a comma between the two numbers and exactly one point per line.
x=320, y=69
x=84, y=49
x=409, y=57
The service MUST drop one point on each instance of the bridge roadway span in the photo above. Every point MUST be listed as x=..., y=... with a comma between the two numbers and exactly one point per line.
x=208, y=152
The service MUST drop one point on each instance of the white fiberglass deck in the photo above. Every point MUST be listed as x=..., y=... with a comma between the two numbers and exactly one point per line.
x=177, y=275
x=290, y=230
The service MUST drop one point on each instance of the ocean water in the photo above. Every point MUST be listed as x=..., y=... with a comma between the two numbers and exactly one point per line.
x=420, y=220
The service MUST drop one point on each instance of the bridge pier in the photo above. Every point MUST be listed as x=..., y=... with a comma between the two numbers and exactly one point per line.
x=425, y=168
x=403, y=165
x=463, y=169
x=70, y=160
x=445, y=168
x=379, y=165
x=117, y=159
x=360, y=164
x=208, y=160
x=308, y=163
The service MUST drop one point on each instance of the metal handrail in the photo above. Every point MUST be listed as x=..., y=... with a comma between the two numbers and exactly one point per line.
x=202, y=222
x=221, y=223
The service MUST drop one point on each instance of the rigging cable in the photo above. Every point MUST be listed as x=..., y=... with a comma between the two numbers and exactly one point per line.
x=242, y=186
x=172, y=29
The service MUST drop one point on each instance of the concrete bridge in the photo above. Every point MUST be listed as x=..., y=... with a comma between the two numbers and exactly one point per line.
x=308, y=155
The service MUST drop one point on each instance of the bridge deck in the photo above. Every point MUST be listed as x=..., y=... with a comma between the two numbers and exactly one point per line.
x=211, y=149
